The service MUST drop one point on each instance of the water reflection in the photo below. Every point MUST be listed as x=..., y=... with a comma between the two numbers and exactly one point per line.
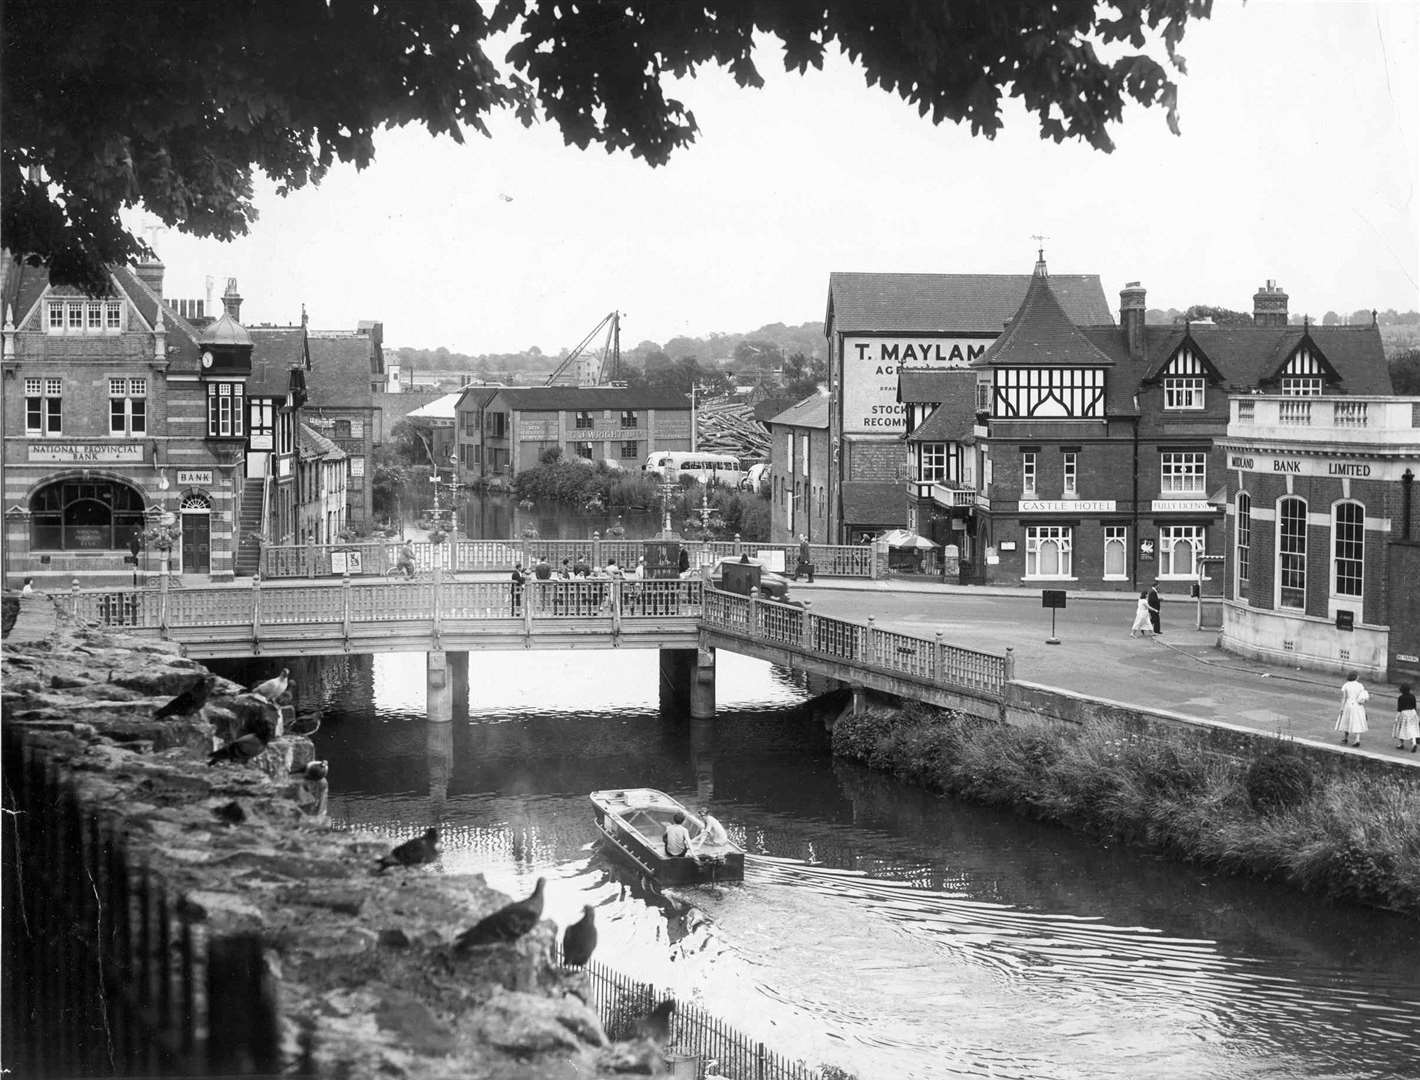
x=880, y=927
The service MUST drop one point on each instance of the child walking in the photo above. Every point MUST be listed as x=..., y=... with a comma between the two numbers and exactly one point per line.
x=1407, y=723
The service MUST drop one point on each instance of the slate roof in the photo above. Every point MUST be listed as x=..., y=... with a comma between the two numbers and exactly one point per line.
x=275, y=351
x=874, y=502
x=312, y=444
x=21, y=286
x=812, y=412
x=966, y=303
x=1041, y=333
x=342, y=368
x=1251, y=356
x=564, y=398
x=931, y=384
x=181, y=338
x=955, y=418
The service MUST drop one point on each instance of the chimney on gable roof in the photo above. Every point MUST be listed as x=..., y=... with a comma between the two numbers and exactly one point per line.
x=1269, y=305
x=232, y=300
x=1131, y=318
x=150, y=273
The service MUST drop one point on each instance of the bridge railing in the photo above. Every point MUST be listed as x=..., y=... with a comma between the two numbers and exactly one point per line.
x=927, y=659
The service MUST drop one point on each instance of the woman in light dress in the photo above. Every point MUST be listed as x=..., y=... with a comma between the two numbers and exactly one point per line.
x=1142, y=623
x=1407, y=723
x=1351, y=720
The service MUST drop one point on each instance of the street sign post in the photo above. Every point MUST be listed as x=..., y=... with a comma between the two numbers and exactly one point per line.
x=1054, y=599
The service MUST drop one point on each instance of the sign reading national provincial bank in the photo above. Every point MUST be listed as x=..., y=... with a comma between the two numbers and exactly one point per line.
x=66, y=453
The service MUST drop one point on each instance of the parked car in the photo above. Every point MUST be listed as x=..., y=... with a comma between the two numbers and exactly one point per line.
x=740, y=573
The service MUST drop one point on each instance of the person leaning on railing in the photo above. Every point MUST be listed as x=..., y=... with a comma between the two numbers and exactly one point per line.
x=405, y=561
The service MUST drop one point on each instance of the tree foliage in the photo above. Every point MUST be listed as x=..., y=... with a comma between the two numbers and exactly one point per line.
x=174, y=105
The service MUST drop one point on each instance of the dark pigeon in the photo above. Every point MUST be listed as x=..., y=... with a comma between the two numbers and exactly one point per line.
x=239, y=751
x=319, y=770
x=416, y=852
x=656, y=1024
x=580, y=939
x=508, y=923
x=272, y=689
x=190, y=700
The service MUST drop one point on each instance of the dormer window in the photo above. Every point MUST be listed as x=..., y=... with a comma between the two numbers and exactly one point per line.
x=83, y=316
x=1301, y=386
x=1183, y=393
x=1185, y=379
x=1305, y=372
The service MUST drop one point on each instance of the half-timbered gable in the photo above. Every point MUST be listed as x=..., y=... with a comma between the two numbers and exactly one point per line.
x=1306, y=372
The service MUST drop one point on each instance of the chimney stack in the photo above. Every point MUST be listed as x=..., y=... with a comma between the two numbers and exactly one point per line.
x=1269, y=305
x=232, y=300
x=1131, y=318
x=150, y=273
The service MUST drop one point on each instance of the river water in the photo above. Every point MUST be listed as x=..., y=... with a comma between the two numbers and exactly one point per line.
x=879, y=928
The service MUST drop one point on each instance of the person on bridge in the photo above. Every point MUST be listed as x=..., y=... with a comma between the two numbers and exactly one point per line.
x=1143, y=619
x=1407, y=723
x=405, y=561
x=1351, y=720
x=542, y=569
x=677, y=836
x=1156, y=608
x=804, y=565
x=581, y=567
x=682, y=562
x=516, y=591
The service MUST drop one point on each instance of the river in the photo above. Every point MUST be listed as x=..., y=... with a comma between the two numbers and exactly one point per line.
x=879, y=928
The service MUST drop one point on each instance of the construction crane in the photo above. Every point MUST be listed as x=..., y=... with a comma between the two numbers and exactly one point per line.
x=592, y=370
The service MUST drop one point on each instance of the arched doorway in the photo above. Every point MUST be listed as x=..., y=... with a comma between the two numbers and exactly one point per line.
x=196, y=533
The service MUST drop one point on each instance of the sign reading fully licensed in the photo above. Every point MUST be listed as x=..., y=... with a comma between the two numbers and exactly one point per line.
x=870, y=405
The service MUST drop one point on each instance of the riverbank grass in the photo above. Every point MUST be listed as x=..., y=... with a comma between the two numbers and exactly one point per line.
x=1346, y=835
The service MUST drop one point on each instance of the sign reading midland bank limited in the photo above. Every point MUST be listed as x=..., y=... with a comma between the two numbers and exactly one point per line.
x=870, y=405
x=1308, y=465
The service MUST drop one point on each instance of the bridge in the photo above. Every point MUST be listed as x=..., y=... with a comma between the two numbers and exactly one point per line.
x=686, y=619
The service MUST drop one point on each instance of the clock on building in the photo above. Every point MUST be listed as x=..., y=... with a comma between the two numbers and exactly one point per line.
x=207, y=359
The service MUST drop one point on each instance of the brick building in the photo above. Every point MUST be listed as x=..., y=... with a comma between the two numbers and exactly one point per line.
x=504, y=430
x=876, y=323
x=1100, y=463
x=798, y=487
x=1323, y=554
x=347, y=372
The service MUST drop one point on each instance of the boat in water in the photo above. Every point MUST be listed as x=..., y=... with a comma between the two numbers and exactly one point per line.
x=633, y=822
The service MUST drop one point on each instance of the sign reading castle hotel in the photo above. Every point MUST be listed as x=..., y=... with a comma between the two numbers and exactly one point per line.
x=870, y=405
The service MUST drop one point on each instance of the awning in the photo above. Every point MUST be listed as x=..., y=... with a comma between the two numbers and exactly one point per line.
x=902, y=538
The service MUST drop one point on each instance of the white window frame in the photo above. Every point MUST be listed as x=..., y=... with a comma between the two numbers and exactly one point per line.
x=1242, y=543
x=1184, y=392
x=1170, y=537
x=1039, y=537
x=1301, y=385
x=74, y=316
x=1359, y=558
x=804, y=454
x=128, y=405
x=1069, y=474
x=1183, y=472
x=789, y=454
x=1119, y=535
x=47, y=395
x=1028, y=474
x=1298, y=577
x=226, y=421
x=932, y=462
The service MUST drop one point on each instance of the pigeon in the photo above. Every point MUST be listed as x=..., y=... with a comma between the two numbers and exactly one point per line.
x=508, y=923
x=239, y=751
x=422, y=849
x=190, y=700
x=272, y=689
x=656, y=1024
x=580, y=939
x=318, y=770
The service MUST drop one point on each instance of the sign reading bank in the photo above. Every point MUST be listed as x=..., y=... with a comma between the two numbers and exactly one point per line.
x=870, y=364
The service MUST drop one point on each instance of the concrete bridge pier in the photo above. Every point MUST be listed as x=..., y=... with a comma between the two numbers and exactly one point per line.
x=677, y=671
x=458, y=668
x=702, y=686
x=438, y=683
x=439, y=752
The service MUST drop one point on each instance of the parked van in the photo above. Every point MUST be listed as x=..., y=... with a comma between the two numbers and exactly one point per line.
x=702, y=467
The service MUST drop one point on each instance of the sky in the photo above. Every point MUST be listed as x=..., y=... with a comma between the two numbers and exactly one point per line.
x=1298, y=162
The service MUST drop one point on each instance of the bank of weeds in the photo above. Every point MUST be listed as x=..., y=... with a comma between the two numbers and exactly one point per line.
x=1344, y=835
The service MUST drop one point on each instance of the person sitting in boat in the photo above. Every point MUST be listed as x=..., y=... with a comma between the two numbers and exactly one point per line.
x=712, y=839
x=677, y=836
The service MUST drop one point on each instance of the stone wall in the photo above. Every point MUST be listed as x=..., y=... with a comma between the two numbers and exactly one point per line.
x=367, y=981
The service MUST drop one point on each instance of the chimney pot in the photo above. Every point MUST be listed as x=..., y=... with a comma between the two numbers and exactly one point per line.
x=1269, y=305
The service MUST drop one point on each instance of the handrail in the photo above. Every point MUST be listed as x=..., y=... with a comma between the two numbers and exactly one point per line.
x=266, y=500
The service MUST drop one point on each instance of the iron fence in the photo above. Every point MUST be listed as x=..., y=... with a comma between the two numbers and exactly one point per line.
x=107, y=972
x=697, y=1039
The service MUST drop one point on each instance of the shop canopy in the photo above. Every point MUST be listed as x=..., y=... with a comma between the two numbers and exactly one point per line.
x=902, y=538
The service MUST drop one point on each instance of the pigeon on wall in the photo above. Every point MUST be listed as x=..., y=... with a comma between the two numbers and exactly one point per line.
x=190, y=700
x=273, y=688
x=580, y=939
x=238, y=751
x=422, y=849
x=508, y=923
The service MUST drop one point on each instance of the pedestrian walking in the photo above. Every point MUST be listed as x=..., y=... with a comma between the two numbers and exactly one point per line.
x=1351, y=720
x=1156, y=609
x=1407, y=723
x=804, y=565
x=516, y=589
x=1143, y=618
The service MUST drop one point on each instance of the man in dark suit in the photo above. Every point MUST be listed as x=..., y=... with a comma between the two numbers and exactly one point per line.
x=804, y=565
x=1156, y=607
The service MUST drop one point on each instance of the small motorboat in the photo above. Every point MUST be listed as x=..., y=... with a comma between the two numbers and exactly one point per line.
x=634, y=820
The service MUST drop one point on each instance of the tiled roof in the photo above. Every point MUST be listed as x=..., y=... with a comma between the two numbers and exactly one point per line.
x=954, y=419
x=181, y=338
x=1247, y=356
x=275, y=351
x=966, y=303
x=931, y=384
x=812, y=412
x=553, y=398
x=342, y=369
x=874, y=502
x=21, y=287
x=312, y=444
x=1041, y=333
